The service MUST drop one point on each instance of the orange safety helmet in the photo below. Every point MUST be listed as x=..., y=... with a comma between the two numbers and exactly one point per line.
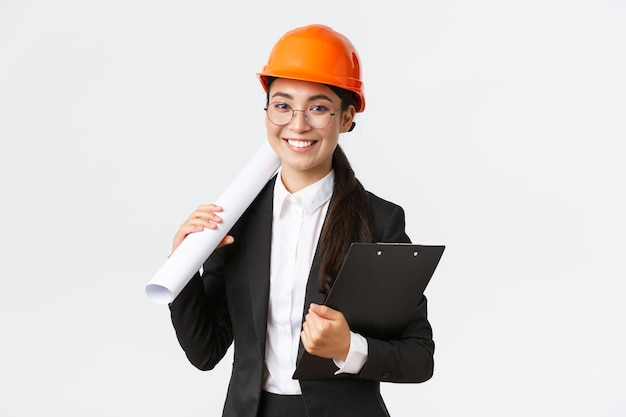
x=318, y=54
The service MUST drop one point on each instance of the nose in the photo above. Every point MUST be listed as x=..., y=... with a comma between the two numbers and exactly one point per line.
x=298, y=121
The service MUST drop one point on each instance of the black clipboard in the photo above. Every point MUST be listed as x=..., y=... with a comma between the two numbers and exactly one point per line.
x=377, y=290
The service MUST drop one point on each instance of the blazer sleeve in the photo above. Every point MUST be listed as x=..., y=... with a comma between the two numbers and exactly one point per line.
x=410, y=357
x=200, y=316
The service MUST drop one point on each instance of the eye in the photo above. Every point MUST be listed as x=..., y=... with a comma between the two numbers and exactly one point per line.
x=318, y=109
x=281, y=107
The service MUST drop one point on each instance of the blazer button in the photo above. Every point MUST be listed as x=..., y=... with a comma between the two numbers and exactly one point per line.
x=386, y=375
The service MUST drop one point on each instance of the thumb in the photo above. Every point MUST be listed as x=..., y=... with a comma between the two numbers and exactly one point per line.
x=228, y=239
x=324, y=311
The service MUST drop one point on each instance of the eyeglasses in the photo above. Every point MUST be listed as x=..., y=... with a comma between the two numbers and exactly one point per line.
x=281, y=114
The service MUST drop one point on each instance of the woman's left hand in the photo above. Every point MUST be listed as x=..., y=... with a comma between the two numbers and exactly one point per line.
x=325, y=333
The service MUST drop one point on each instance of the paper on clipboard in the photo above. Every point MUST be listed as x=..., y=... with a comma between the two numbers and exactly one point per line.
x=377, y=290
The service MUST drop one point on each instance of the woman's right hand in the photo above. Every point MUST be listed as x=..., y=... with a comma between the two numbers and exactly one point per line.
x=203, y=217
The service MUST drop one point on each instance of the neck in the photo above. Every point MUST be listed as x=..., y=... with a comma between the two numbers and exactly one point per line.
x=295, y=181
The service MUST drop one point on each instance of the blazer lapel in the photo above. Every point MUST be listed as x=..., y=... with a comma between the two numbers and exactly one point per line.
x=313, y=294
x=258, y=247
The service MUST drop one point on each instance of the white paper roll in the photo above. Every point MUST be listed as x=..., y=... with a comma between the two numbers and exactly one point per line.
x=187, y=259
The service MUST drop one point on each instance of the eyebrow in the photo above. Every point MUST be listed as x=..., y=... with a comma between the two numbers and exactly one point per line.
x=312, y=98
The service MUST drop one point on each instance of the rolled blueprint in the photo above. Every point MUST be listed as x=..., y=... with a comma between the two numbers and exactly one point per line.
x=187, y=259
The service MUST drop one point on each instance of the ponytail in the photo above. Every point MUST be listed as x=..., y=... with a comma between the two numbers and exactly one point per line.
x=349, y=220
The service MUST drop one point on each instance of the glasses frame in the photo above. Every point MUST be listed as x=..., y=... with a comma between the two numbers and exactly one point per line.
x=293, y=114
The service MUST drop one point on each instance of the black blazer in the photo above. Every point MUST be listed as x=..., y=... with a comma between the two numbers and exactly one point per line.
x=229, y=303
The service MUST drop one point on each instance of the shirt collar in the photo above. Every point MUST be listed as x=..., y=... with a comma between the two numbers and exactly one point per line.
x=309, y=198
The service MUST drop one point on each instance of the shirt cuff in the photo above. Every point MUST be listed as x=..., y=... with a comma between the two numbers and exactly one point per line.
x=357, y=356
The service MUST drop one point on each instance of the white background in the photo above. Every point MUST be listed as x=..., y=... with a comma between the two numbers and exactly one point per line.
x=498, y=126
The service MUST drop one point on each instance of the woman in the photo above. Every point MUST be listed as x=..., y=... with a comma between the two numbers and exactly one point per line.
x=264, y=287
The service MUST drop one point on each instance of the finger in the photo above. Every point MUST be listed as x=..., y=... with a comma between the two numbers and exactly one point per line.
x=186, y=229
x=206, y=210
x=205, y=215
x=210, y=207
x=228, y=240
x=325, y=312
x=307, y=339
x=310, y=325
x=316, y=327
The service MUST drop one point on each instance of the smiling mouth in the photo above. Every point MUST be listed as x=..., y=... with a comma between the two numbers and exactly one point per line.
x=300, y=143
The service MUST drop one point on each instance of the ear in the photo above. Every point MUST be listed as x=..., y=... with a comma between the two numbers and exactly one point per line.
x=347, y=119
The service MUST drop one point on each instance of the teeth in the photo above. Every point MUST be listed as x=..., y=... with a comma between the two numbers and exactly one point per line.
x=300, y=143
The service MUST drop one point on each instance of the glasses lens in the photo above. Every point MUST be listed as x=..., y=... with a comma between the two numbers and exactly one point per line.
x=318, y=117
x=281, y=114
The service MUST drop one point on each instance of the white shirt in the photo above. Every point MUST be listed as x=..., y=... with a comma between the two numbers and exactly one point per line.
x=296, y=226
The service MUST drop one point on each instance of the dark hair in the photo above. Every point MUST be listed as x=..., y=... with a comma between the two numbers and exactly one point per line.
x=349, y=218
